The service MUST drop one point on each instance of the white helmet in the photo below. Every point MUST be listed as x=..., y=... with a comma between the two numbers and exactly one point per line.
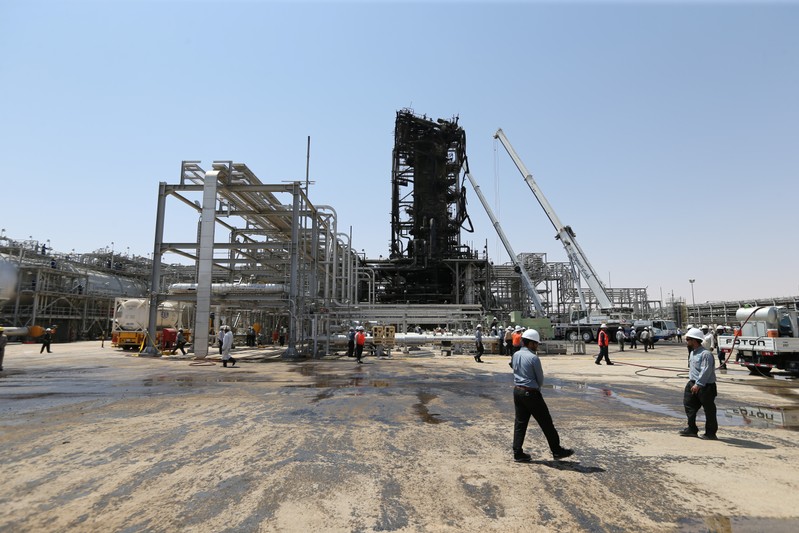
x=509, y=328
x=479, y=326
x=517, y=328
x=704, y=326
x=689, y=326
x=719, y=327
x=531, y=335
x=696, y=334
x=603, y=326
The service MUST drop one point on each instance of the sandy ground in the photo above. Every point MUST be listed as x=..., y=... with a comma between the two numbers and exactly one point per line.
x=94, y=439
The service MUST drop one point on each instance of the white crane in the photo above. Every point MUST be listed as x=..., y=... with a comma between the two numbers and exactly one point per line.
x=564, y=233
x=528, y=283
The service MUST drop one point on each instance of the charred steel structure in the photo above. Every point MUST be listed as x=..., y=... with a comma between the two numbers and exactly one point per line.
x=427, y=261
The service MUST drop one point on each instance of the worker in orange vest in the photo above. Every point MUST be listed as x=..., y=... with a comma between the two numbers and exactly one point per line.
x=517, y=339
x=360, y=340
x=604, y=341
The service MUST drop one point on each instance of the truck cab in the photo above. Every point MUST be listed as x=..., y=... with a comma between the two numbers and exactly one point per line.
x=661, y=329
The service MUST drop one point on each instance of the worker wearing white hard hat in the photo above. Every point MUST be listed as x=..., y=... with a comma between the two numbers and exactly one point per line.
x=47, y=338
x=633, y=337
x=528, y=377
x=517, y=339
x=700, y=391
x=709, y=342
x=478, y=344
x=716, y=334
x=645, y=337
x=603, y=340
x=508, y=340
x=360, y=342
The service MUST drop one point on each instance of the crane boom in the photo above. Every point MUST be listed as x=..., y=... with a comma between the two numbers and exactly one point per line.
x=526, y=281
x=564, y=233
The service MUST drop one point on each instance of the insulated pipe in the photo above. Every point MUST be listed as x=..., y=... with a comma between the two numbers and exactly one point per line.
x=228, y=288
x=33, y=331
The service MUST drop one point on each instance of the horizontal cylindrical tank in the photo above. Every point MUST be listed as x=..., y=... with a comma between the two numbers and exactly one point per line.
x=770, y=315
x=134, y=314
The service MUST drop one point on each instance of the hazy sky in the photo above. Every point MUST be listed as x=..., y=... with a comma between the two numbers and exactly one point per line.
x=664, y=133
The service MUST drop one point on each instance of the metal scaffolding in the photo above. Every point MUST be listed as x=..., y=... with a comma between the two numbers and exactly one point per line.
x=271, y=257
x=72, y=292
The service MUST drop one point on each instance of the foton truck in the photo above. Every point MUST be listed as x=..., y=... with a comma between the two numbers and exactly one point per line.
x=768, y=338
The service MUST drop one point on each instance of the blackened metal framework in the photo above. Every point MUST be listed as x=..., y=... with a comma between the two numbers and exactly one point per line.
x=427, y=263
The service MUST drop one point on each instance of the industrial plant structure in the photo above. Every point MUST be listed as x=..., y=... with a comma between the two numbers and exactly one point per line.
x=265, y=255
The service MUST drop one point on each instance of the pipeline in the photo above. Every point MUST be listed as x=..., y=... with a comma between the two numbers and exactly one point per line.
x=230, y=288
x=25, y=331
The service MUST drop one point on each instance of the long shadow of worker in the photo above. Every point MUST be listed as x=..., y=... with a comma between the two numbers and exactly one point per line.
x=741, y=443
x=570, y=466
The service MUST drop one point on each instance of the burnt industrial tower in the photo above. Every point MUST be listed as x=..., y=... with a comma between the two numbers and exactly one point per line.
x=427, y=261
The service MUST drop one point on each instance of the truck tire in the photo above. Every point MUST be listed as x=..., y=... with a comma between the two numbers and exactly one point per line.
x=587, y=336
x=573, y=336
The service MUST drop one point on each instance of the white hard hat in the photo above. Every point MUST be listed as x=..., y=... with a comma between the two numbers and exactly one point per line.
x=479, y=325
x=603, y=326
x=689, y=326
x=696, y=334
x=704, y=326
x=518, y=328
x=719, y=327
x=509, y=328
x=531, y=335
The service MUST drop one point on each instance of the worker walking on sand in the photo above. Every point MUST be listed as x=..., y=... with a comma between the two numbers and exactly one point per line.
x=47, y=338
x=180, y=342
x=528, y=378
x=227, y=344
x=700, y=391
x=478, y=343
x=620, y=338
x=604, y=342
x=645, y=338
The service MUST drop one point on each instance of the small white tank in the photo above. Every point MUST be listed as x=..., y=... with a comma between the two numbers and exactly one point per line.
x=770, y=315
x=134, y=314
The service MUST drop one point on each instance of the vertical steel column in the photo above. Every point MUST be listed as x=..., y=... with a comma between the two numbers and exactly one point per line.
x=155, y=280
x=205, y=263
x=291, y=350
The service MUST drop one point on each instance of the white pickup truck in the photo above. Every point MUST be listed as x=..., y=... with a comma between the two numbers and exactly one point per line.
x=767, y=338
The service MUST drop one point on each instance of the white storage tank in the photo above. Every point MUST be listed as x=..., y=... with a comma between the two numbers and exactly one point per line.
x=134, y=314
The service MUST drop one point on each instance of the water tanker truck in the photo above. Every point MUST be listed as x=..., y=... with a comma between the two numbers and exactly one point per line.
x=131, y=317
